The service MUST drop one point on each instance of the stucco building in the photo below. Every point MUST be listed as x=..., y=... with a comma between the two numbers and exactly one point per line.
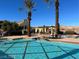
x=44, y=29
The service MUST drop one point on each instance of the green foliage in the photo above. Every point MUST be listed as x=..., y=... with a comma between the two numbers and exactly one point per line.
x=7, y=26
x=70, y=32
x=29, y=4
x=15, y=26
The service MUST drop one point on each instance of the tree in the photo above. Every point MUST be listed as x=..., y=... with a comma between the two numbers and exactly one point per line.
x=29, y=5
x=9, y=26
x=14, y=26
x=57, y=15
x=6, y=25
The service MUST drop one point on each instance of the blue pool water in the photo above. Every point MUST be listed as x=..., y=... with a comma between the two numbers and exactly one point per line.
x=38, y=49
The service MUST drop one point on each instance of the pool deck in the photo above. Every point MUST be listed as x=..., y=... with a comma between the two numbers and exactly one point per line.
x=67, y=40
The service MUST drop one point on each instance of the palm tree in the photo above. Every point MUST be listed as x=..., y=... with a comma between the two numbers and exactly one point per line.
x=57, y=16
x=29, y=5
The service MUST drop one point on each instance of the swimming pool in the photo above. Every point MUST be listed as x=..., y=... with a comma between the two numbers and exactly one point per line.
x=38, y=49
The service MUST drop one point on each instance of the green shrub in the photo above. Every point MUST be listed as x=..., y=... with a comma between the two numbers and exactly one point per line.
x=70, y=32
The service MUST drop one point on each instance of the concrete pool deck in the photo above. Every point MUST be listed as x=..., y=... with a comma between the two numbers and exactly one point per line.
x=67, y=40
x=25, y=36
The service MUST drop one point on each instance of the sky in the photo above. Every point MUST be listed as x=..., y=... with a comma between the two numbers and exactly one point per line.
x=42, y=13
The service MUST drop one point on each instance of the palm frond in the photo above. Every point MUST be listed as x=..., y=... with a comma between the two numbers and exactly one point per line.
x=29, y=4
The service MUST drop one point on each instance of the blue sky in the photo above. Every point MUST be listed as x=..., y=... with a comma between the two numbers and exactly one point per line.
x=68, y=12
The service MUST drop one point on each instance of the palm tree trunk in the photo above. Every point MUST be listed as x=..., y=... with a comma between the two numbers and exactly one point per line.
x=57, y=17
x=29, y=19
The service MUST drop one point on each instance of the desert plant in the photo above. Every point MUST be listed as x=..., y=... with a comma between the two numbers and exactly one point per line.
x=70, y=32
